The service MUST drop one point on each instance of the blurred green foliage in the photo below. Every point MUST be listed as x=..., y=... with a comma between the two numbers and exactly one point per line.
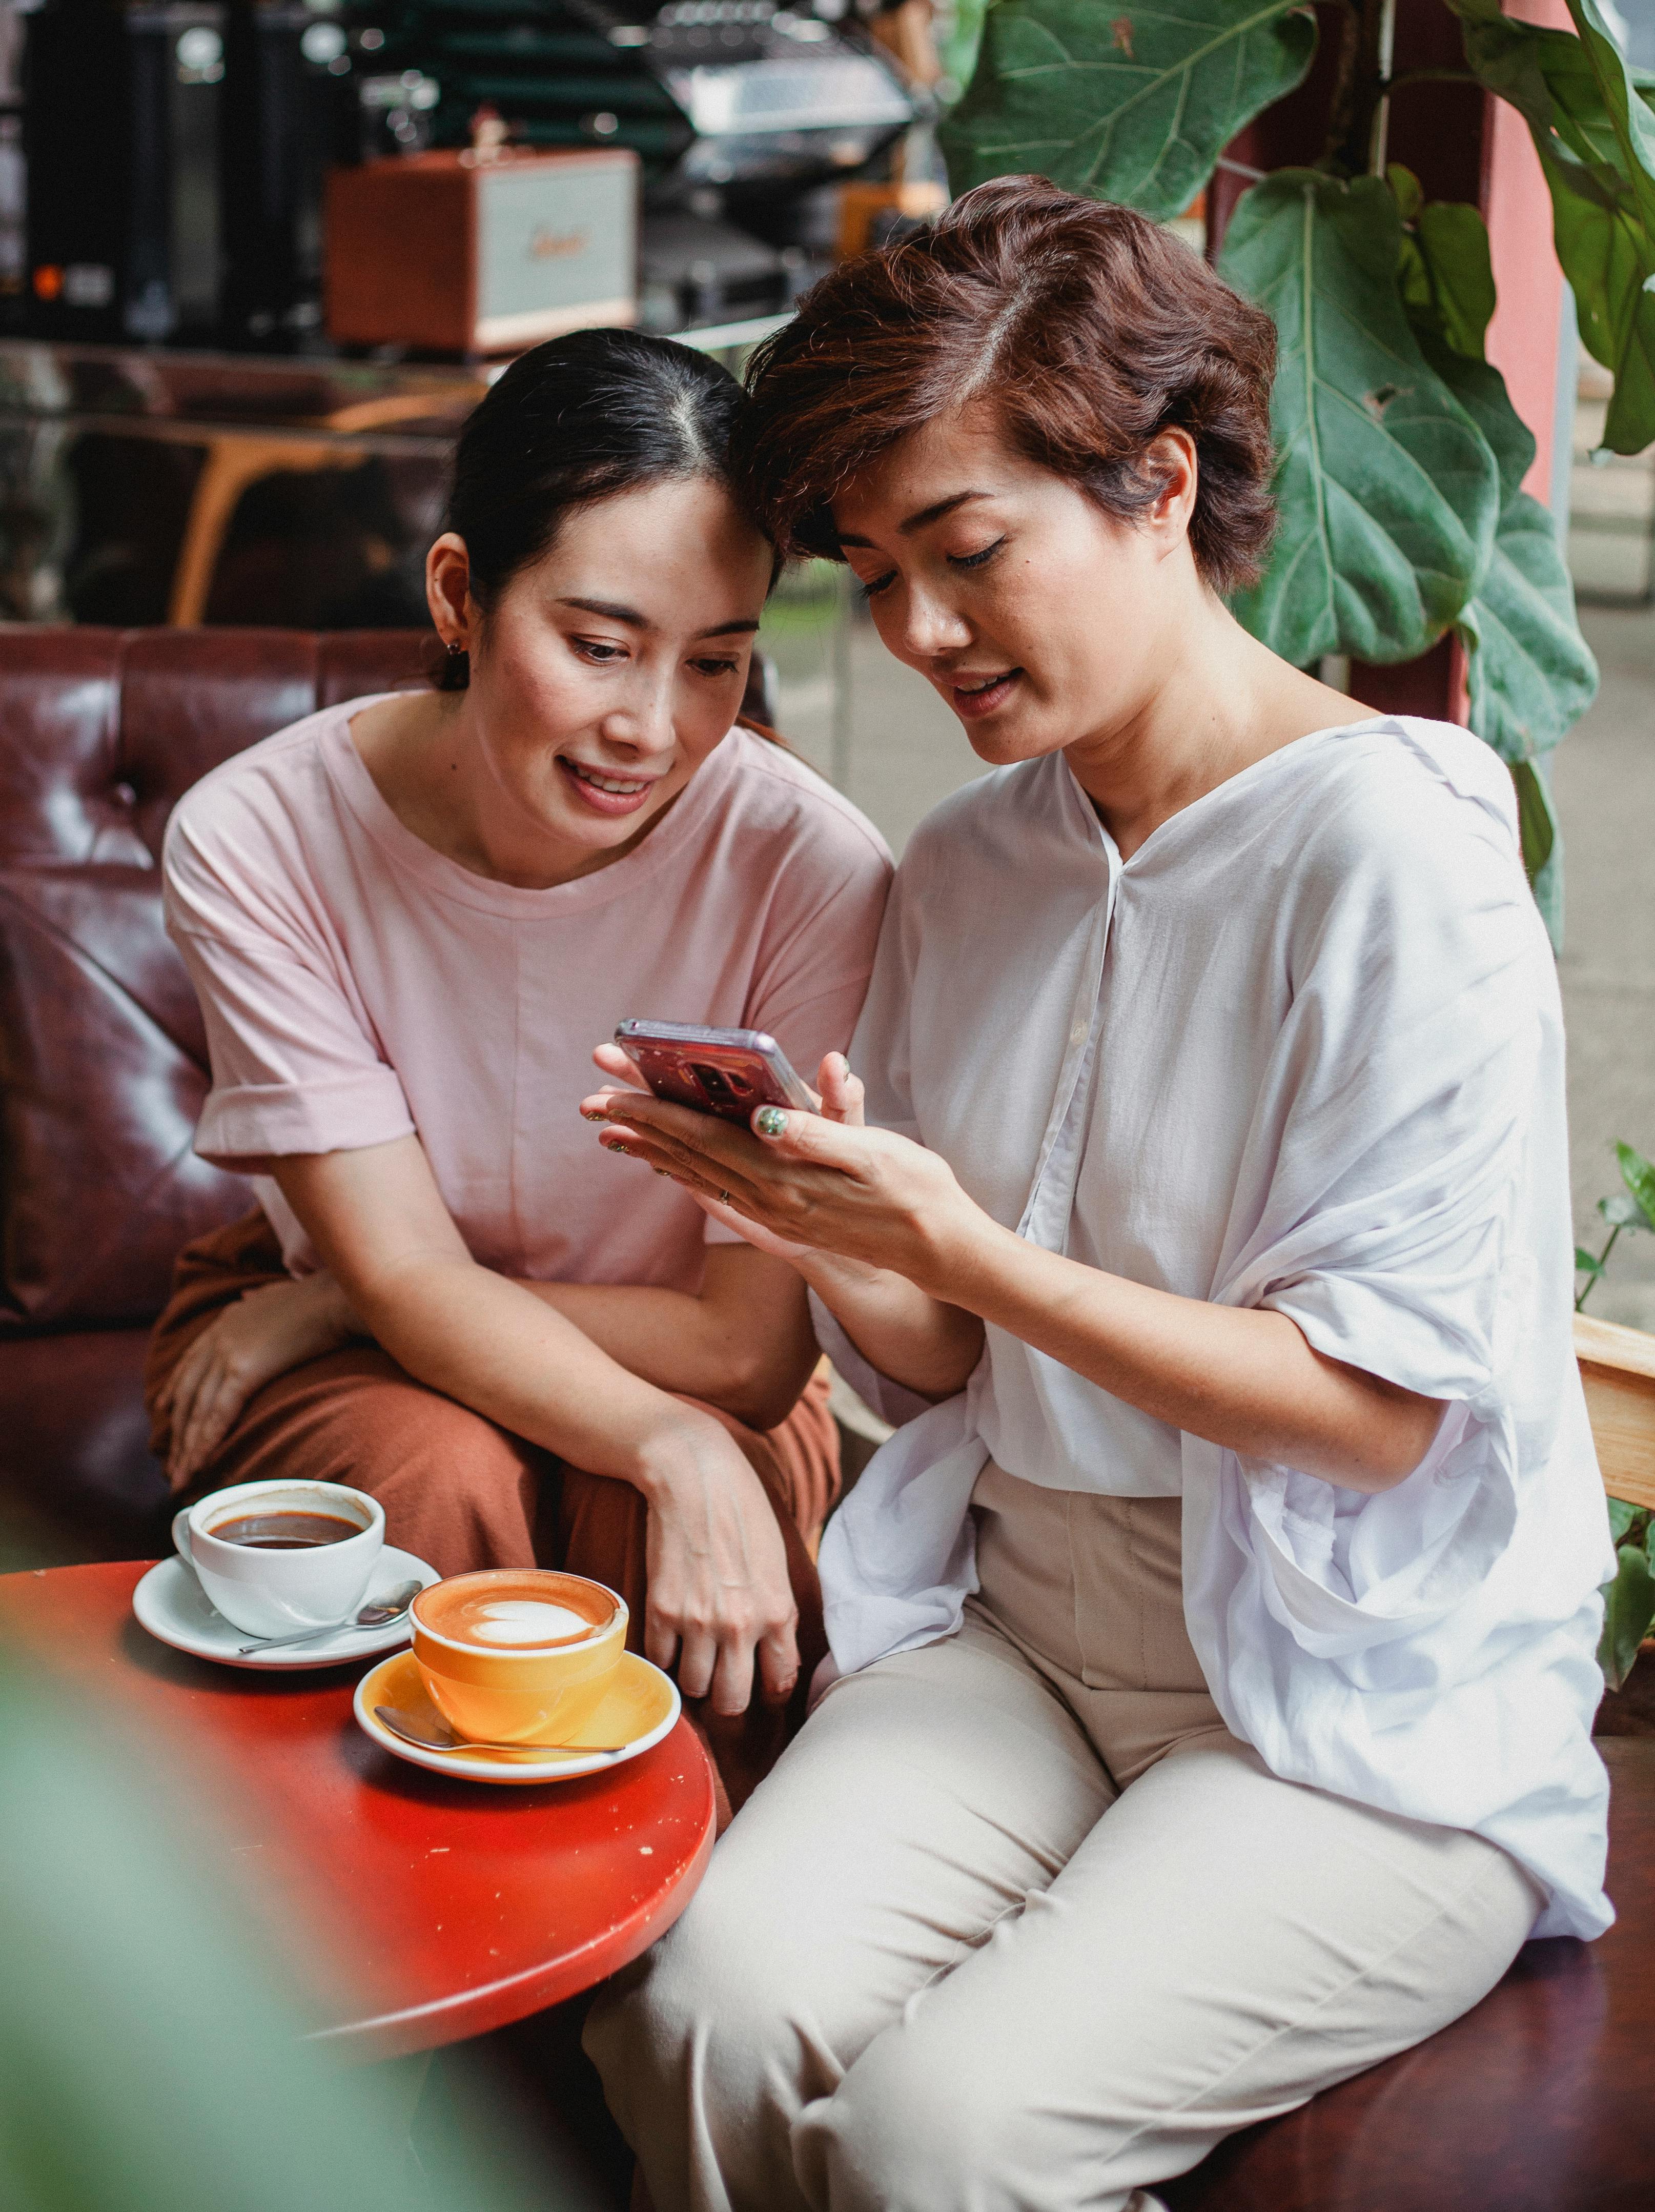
x=152, y=2057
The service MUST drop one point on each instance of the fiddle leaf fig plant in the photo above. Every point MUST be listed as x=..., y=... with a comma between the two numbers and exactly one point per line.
x=1133, y=104
x=1400, y=457
x=1530, y=675
x=1388, y=493
x=1589, y=114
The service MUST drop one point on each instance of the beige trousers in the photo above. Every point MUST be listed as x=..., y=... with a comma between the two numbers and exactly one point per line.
x=1016, y=1922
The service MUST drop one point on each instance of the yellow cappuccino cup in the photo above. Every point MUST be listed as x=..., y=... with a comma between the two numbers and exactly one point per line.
x=519, y=1655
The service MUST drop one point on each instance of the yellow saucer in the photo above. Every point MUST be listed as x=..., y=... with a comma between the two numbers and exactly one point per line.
x=638, y=1708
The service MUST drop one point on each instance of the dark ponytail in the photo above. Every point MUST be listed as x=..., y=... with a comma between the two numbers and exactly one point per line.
x=576, y=419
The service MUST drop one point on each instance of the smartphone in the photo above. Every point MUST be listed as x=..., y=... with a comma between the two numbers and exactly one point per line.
x=723, y=1072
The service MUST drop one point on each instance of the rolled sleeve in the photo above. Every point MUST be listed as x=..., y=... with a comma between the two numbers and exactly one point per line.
x=295, y=1067
x=242, y=1121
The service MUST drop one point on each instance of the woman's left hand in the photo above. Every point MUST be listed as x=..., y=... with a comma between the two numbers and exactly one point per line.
x=265, y=1334
x=861, y=1194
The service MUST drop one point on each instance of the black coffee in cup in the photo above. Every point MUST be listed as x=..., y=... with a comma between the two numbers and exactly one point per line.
x=286, y=1531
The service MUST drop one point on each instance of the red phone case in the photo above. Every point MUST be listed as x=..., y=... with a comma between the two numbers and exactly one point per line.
x=713, y=1074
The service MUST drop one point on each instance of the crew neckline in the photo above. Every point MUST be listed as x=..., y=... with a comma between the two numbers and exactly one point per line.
x=352, y=778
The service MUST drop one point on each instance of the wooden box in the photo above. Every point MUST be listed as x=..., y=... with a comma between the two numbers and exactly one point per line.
x=1617, y=1367
x=453, y=254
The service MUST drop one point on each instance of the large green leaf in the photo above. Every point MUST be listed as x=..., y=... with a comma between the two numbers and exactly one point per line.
x=1623, y=92
x=1627, y=1521
x=1451, y=242
x=1122, y=102
x=1629, y=1614
x=1387, y=490
x=1639, y=1178
x=1537, y=822
x=1609, y=259
x=1547, y=74
x=1590, y=118
x=1530, y=672
x=1630, y=423
x=960, y=34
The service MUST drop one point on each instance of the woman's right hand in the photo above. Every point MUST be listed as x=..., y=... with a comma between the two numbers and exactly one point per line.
x=840, y=1099
x=719, y=1590
x=265, y=1334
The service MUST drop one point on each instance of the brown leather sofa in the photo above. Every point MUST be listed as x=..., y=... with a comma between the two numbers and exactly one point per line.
x=103, y=1061
x=1542, y=2099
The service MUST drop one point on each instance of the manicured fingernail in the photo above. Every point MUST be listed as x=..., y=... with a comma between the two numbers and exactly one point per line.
x=591, y=1113
x=627, y=1149
x=770, y=1122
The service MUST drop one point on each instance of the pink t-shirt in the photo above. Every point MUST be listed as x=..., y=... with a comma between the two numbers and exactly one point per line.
x=358, y=986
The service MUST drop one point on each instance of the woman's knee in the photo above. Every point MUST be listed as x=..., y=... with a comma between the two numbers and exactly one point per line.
x=704, y=1997
x=921, y=2124
x=724, y=2014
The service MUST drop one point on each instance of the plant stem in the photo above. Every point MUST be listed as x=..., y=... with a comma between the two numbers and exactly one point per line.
x=1429, y=76
x=1592, y=1281
x=1385, y=48
x=1357, y=117
x=1344, y=86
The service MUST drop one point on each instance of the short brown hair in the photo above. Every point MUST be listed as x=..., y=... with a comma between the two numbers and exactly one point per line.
x=1088, y=328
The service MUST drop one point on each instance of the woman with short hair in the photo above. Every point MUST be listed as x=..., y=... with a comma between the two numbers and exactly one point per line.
x=405, y=917
x=1213, y=1650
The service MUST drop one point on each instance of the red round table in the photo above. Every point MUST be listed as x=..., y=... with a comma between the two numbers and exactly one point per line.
x=447, y=1908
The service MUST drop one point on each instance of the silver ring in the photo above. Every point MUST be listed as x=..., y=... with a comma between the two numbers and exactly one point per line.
x=724, y=1198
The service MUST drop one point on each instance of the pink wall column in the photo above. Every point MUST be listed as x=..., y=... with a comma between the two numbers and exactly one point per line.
x=1523, y=337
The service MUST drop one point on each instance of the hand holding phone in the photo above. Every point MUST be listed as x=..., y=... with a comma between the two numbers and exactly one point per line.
x=727, y=1072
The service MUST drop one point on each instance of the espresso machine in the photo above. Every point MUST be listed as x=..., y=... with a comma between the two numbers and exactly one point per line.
x=739, y=111
x=176, y=153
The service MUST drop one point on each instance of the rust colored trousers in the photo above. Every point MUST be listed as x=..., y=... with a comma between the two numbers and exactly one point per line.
x=464, y=1493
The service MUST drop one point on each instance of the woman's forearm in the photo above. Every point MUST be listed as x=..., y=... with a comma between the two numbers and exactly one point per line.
x=1243, y=1378
x=924, y=1343
x=1247, y=1380
x=471, y=1333
x=744, y=1343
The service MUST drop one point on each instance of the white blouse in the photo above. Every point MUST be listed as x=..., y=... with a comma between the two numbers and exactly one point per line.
x=1304, y=1050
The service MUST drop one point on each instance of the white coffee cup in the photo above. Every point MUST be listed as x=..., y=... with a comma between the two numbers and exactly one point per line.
x=270, y=1593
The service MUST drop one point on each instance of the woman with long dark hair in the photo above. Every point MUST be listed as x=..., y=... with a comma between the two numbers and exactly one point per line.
x=1215, y=1642
x=406, y=917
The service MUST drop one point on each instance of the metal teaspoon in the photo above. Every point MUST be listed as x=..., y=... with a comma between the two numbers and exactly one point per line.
x=379, y=1612
x=430, y=1737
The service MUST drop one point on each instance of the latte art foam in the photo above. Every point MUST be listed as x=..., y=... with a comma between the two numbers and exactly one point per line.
x=516, y=1609
x=523, y=1620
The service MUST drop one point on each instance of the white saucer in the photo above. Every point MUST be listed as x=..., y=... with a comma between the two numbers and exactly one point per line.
x=173, y=1606
x=640, y=1707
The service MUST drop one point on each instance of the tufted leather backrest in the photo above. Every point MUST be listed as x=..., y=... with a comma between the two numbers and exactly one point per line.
x=103, y=1061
